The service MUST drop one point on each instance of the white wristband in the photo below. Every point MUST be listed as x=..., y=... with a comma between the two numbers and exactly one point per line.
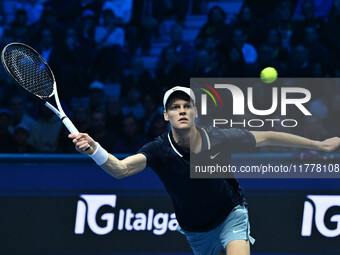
x=100, y=155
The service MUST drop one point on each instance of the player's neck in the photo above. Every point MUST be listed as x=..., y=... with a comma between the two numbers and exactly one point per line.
x=183, y=138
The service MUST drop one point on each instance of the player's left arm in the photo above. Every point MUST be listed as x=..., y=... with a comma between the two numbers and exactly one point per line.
x=271, y=138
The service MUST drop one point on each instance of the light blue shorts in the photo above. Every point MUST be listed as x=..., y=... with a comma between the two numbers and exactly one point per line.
x=234, y=227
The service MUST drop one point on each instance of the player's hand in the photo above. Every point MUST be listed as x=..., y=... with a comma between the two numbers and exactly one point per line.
x=330, y=144
x=82, y=141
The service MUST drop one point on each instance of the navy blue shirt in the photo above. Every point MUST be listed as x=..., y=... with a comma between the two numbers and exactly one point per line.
x=200, y=204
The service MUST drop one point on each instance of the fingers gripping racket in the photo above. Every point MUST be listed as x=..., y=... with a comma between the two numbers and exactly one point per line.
x=29, y=69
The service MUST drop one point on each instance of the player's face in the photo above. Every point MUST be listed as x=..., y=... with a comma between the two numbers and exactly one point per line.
x=180, y=113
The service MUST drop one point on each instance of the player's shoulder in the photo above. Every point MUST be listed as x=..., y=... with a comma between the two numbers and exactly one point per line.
x=155, y=150
x=157, y=143
x=162, y=139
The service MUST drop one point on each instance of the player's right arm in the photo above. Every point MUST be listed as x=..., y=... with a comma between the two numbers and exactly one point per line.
x=113, y=166
x=126, y=167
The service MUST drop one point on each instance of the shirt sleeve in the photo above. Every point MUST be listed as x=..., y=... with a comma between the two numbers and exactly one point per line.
x=152, y=151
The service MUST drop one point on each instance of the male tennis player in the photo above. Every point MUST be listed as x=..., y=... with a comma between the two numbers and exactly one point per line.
x=211, y=212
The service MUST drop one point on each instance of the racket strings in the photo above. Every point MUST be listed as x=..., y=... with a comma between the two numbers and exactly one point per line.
x=29, y=70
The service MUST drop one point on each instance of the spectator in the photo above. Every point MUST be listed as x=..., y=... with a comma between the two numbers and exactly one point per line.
x=97, y=97
x=175, y=10
x=110, y=39
x=45, y=132
x=170, y=71
x=6, y=139
x=151, y=109
x=108, y=33
x=307, y=19
x=35, y=9
x=261, y=8
x=68, y=11
x=185, y=50
x=281, y=20
x=18, y=29
x=72, y=66
x=197, y=7
x=321, y=8
x=100, y=131
x=121, y=8
x=7, y=88
x=234, y=64
x=139, y=77
x=250, y=24
x=94, y=5
x=49, y=20
x=215, y=27
x=319, y=70
x=299, y=65
x=81, y=117
x=206, y=65
x=47, y=46
x=280, y=49
x=318, y=52
x=157, y=127
x=333, y=33
x=147, y=15
x=114, y=116
x=131, y=139
x=249, y=52
x=2, y=28
x=266, y=57
x=216, y=59
x=87, y=28
x=133, y=106
x=18, y=107
x=20, y=136
x=110, y=63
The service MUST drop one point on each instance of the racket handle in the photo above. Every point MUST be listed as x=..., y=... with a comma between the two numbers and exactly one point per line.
x=69, y=125
x=72, y=129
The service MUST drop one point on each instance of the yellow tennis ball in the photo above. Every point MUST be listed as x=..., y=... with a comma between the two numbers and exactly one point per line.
x=268, y=75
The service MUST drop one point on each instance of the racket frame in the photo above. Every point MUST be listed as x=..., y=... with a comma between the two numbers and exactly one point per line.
x=59, y=112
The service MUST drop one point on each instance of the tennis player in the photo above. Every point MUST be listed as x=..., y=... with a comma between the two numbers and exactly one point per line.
x=212, y=213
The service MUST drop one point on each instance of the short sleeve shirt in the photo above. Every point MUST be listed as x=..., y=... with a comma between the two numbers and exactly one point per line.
x=200, y=204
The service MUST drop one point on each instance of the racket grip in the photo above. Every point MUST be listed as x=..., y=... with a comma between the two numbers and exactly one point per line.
x=72, y=129
x=69, y=125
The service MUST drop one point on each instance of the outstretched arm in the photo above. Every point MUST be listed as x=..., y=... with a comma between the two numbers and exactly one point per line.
x=113, y=166
x=271, y=138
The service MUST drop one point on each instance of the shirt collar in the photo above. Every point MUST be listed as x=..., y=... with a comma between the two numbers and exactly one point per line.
x=181, y=152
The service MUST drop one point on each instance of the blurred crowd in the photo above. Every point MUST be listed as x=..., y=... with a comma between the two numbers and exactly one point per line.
x=96, y=49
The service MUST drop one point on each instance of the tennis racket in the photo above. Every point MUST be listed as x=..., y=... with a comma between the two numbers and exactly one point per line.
x=30, y=70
